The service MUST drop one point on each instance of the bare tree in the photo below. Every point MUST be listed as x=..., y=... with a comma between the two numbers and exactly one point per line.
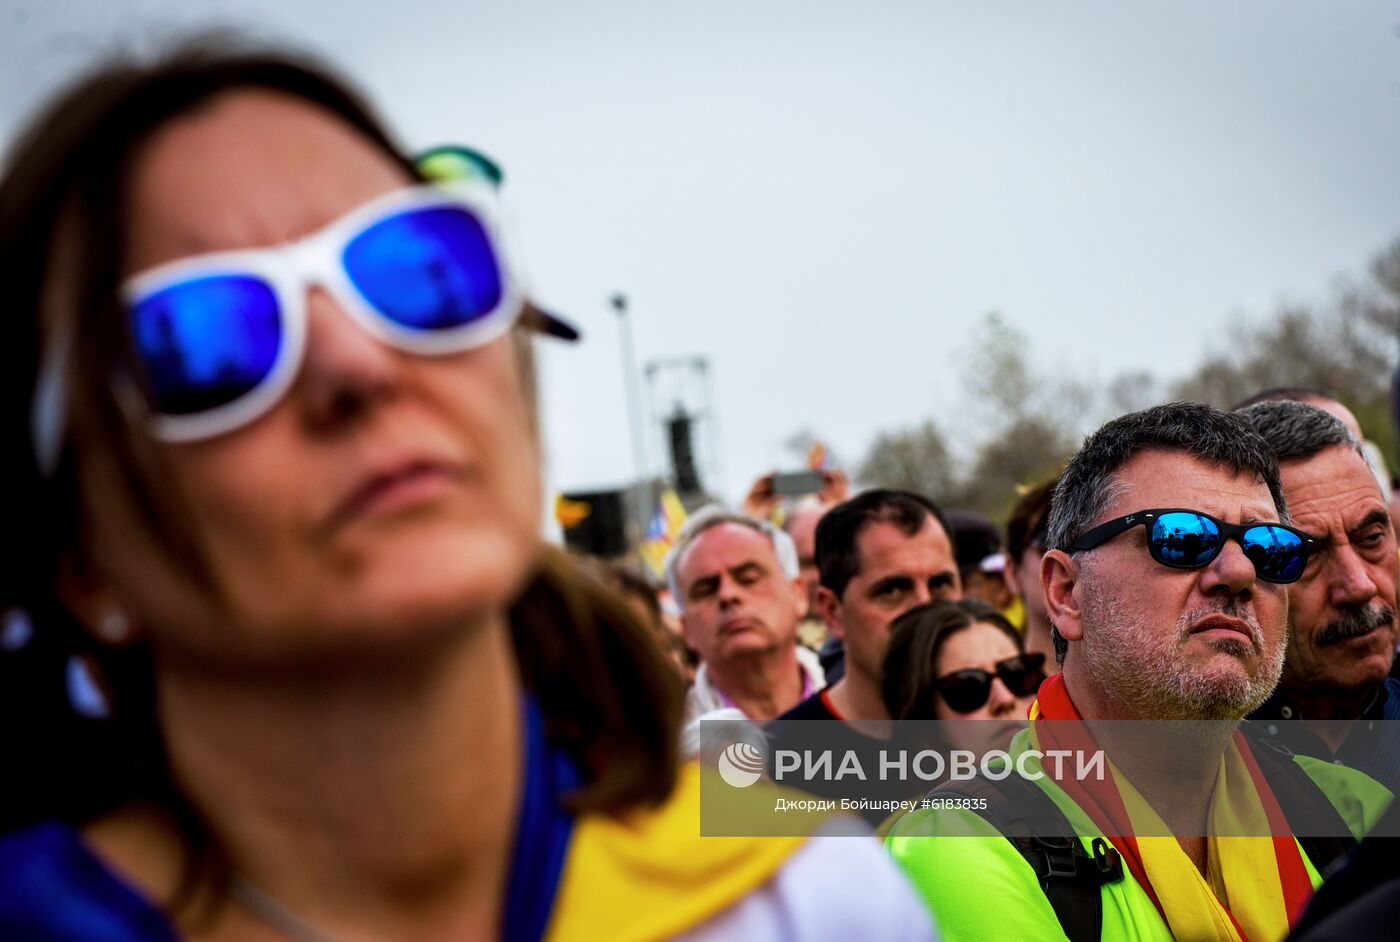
x=913, y=459
x=1021, y=424
x=1131, y=392
x=1346, y=346
x=1027, y=452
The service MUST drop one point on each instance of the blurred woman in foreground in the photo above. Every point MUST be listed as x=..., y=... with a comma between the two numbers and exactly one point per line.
x=271, y=401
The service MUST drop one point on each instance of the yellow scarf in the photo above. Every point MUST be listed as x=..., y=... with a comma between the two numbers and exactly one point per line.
x=1243, y=900
x=650, y=875
x=1257, y=885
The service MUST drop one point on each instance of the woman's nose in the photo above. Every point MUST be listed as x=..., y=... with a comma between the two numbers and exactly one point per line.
x=345, y=370
x=1001, y=701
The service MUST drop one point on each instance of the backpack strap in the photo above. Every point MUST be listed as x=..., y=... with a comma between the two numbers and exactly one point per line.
x=1301, y=800
x=1070, y=878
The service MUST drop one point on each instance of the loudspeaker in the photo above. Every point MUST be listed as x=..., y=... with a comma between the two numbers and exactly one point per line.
x=683, y=454
x=604, y=531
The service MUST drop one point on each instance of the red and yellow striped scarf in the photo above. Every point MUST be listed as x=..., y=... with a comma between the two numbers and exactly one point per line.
x=1254, y=887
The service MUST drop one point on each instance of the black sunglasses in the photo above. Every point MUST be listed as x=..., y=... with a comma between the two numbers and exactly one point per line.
x=967, y=690
x=1190, y=539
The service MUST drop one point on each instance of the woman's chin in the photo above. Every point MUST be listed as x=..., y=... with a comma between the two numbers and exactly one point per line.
x=452, y=581
x=401, y=596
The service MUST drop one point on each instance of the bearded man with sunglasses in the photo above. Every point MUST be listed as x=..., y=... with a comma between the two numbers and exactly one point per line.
x=1342, y=622
x=1166, y=581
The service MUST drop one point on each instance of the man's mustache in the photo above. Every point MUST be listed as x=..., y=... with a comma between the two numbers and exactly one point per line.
x=1354, y=622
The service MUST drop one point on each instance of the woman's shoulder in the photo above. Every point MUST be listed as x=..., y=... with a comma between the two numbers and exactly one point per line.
x=54, y=889
x=810, y=900
x=655, y=874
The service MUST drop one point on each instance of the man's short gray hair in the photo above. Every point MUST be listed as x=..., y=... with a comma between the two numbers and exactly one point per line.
x=707, y=518
x=1297, y=430
x=1089, y=483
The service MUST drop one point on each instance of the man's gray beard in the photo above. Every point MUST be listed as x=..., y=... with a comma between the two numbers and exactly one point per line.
x=1150, y=678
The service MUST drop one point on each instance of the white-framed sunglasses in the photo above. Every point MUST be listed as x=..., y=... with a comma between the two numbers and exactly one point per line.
x=220, y=337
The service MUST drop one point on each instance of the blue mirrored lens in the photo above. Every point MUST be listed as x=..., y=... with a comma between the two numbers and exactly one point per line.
x=1184, y=539
x=1278, y=554
x=426, y=269
x=207, y=341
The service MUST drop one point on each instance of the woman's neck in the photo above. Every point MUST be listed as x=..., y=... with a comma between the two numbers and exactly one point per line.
x=380, y=806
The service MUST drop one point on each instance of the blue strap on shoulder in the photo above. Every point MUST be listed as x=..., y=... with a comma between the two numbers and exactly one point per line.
x=52, y=889
x=541, y=835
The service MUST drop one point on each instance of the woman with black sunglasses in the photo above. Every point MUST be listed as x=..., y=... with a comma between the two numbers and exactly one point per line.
x=269, y=417
x=961, y=661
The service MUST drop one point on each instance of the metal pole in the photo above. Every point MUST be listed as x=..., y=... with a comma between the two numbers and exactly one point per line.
x=629, y=371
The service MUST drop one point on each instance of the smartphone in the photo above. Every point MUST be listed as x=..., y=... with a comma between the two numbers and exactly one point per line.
x=796, y=483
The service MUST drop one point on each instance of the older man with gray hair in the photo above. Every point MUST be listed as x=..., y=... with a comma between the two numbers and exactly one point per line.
x=740, y=594
x=1341, y=613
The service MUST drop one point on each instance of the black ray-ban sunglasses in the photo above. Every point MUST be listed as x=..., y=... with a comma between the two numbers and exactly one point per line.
x=1190, y=539
x=969, y=689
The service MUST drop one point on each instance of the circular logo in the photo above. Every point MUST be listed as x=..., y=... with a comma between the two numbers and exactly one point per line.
x=741, y=765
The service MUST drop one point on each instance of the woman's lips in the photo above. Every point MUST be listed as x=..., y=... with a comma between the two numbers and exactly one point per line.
x=1009, y=729
x=404, y=485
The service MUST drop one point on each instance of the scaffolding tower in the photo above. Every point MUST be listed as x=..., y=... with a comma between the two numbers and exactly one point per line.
x=681, y=424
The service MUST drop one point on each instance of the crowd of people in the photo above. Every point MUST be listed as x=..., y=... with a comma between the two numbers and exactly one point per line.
x=286, y=658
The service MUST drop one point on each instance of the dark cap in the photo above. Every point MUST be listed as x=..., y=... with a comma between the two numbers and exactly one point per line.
x=538, y=319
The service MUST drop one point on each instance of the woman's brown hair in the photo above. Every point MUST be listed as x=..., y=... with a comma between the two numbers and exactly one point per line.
x=62, y=212
x=916, y=639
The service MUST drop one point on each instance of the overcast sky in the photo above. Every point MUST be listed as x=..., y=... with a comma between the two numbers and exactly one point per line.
x=823, y=197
